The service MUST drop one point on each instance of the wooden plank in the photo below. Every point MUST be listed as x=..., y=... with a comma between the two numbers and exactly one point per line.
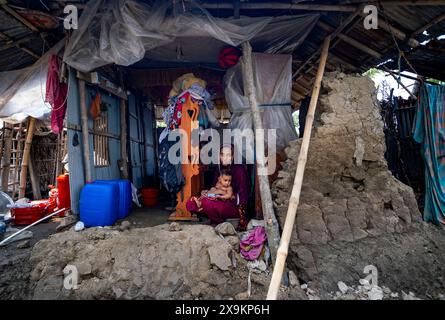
x=93, y=78
x=298, y=181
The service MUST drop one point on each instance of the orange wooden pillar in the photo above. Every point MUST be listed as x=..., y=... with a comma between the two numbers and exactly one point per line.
x=190, y=170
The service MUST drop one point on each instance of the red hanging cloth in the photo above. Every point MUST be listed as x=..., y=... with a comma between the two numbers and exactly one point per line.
x=56, y=92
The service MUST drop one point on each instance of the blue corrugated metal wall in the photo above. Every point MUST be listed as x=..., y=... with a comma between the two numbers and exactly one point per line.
x=77, y=176
x=137, y=118
x=136, y=137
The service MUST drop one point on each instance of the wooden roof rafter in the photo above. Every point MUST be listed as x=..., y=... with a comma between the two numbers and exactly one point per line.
x=4, y=5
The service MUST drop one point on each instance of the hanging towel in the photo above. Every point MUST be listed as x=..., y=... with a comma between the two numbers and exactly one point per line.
x=56, y=94
x=429, y=130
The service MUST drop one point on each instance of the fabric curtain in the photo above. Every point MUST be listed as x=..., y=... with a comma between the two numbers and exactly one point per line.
x=429, y=131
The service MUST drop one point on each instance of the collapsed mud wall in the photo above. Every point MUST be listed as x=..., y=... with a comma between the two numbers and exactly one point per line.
x=191, y=262
x=349, y=197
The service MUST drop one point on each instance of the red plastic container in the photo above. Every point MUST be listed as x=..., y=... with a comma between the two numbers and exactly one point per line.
x=63, y=189
x=24, y=216
x=150, y=197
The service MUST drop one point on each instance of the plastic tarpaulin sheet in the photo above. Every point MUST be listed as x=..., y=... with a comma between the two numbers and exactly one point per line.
x=125, y=31
x=272, y=75
x=429, y=130
x=22, y=92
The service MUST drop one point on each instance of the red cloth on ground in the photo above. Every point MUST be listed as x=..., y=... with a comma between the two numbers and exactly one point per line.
x=56, y=94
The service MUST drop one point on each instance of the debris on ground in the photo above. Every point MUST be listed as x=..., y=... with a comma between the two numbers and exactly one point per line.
x=79, y=226
x=174, y=226
x=24, y=244
x=141, y=263
x=225, y=229
x=125, y=225
x=67, y=221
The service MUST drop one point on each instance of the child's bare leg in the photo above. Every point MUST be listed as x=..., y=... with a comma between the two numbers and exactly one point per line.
x=198, y=203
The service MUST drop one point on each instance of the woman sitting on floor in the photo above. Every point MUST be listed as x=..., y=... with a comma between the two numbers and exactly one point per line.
x=219, y=211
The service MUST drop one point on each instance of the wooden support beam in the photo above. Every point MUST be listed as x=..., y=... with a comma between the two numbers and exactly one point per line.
x=85, y=134
x=298, y=181
x=383, y=24
x=279, y=6
x=433, y=22
x=397, y=2
x=93, y=78
x=436, y=20
x=339, y=29
x=270, y=221
x=25, y=158
x=19, y=17
x=299, y=89
x=6, y=159
x=350, y=41
x=14, y=43
x=123, y=133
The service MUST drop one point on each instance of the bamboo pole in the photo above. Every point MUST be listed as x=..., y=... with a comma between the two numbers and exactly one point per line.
x=85, y=134
x=18, y=153
x=295, y=195
x=123, y=133
x=271, y=223
x=25, y=158
x=35, y=179
x=6, y=160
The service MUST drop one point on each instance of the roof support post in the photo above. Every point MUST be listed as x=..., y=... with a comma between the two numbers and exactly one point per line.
x=271, y=223
x=85, y=133
x=298, y=181
x=26, y=155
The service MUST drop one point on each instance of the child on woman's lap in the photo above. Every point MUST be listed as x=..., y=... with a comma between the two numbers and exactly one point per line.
x=221, y=191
